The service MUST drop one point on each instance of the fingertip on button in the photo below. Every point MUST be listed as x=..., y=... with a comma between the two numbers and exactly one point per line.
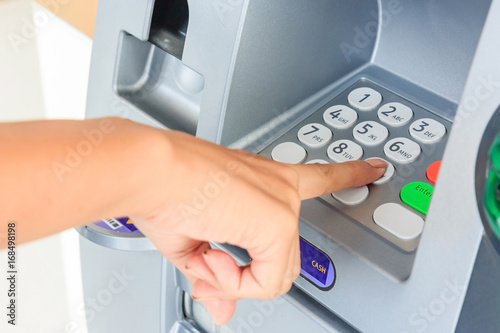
x=389, y=170
x=376, y=163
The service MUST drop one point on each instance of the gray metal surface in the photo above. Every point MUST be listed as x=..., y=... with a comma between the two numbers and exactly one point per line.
x=266, y=65
x=121, y=289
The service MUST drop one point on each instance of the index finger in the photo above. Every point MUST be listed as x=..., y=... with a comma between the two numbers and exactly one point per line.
x=319, y=179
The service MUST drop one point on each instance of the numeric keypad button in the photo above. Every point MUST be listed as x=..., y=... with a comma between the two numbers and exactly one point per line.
x=317, y=161
x=314, y=135
x=370, y=133
x=427, y=130
x=340, y=116
x=402, y=150
x=388, y=174
x=395, y=114
x=289, y=152
x=344, y=150
x=364, y=98
x=352, y=196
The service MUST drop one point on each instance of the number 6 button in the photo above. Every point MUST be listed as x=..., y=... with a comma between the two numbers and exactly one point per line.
x=314, y=135
x=402, y=150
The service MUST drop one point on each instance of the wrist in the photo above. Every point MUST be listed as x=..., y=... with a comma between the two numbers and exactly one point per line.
x=144, y=156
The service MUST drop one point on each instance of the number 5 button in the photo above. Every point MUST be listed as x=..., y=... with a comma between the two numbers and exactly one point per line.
x=370, y=133
x=314, y=135
x=402, y=150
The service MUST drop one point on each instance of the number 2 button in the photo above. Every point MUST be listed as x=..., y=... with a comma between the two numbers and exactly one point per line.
x=314, y=135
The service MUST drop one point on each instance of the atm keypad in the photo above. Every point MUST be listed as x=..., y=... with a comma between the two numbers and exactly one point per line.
x=367, y=121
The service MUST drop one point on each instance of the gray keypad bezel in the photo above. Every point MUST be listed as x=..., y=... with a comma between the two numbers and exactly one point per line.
x=405, y=173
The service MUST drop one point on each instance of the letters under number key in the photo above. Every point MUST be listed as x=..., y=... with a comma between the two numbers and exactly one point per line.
x=314, y=135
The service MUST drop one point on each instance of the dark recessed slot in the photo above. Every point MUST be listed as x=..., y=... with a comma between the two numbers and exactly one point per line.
x=169, y=26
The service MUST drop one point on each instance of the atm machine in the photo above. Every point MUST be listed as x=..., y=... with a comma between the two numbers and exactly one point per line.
x=416, y=83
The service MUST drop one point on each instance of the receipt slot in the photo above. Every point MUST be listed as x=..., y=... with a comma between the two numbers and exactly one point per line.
x=414, y=83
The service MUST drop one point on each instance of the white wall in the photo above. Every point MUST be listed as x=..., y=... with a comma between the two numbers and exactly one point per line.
x=43, y=73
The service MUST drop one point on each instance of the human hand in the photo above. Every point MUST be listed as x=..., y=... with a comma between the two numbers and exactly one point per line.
x=200, y=192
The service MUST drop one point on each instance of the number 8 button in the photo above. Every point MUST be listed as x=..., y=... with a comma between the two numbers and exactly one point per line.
x=344, y=150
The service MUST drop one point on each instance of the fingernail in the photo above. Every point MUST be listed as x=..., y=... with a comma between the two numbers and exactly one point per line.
x=204, y=298
x=376, y=163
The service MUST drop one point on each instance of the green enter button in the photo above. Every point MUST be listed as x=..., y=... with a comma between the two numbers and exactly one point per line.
x=417, y=195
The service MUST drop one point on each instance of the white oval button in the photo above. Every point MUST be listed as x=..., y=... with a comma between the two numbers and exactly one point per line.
x=352, y=196
x=402, y=150
x=395, y=114
x=398, y=221
x=364, y=98
x=314, y=135
x=370, y=133
x=427, y=130
x=289, y=152
x=340, y=116
x=344, y=150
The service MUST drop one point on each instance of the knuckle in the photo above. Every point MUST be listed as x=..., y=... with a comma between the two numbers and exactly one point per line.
x=273, y=293
x=287, y=173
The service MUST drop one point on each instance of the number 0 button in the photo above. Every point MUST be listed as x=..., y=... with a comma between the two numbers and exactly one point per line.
x=344, y=150
x=402, y=150
x=364, y=98
x=315, y=135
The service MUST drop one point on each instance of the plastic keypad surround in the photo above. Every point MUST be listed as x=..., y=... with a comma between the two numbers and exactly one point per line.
x=368, y=121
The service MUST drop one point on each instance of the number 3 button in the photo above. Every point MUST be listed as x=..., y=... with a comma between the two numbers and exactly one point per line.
x=314, y=135
x=427, y=130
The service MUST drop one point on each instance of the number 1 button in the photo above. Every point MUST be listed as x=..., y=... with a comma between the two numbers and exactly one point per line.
x=364, y=98
x=314, y=135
